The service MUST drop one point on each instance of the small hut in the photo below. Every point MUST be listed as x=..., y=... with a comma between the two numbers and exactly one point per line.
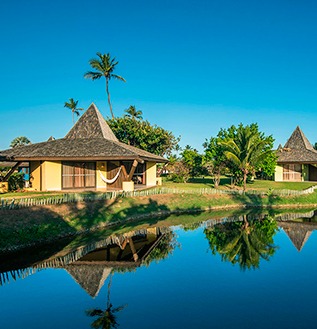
x=297, y=160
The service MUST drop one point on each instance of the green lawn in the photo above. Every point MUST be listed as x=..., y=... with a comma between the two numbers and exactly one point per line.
x=194, y=183
x=260, y=185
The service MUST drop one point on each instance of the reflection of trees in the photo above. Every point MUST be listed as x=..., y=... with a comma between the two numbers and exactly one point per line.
x=244, y=242
x=164, y=248
x=106, y=319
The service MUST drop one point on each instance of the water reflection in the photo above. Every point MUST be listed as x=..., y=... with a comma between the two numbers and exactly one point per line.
x=105, y=319
x=244, y=241
x=92, y=263
x=184, y=288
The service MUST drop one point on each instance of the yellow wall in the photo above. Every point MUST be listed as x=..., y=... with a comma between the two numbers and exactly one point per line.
x=51, y=176
x=35, y=175
x=150, y=173
x=102, y=166
x=278, y=177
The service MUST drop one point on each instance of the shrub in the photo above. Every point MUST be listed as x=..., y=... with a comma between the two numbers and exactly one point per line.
x=16, y=181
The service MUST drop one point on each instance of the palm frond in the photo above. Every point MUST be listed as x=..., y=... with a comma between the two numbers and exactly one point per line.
x=92, y=75
x=118, y=77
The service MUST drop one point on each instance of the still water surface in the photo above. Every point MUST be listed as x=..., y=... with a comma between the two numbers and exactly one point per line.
x=229, y=271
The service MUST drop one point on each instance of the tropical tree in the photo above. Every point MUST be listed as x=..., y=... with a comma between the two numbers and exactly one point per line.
x=214, y=160
x=193, y=160
x=244, y=242
x=104, y=66
x=142, y=134
x=248, y=149
x=20, y=141
x=106, y=319
x=72, y=105
x=133, y=113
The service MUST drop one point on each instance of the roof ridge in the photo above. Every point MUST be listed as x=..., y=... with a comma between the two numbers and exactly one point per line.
x=91, y=125
x=298, y=140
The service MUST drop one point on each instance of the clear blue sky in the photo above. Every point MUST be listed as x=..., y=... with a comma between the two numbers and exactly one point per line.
x=192, y=67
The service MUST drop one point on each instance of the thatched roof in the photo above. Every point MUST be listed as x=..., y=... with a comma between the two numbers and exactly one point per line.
x=91, y=125
x=297, y=149
x=90, y=278
x=90, y=139
x=298, y=233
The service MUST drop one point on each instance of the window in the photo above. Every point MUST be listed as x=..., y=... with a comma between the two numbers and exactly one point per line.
x=78, y=175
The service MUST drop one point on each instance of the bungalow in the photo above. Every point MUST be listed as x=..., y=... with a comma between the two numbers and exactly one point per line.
x=88, y=157
x=297, y=160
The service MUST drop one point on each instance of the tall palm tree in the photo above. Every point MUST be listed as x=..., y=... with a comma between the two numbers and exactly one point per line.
x=104, y=66
x=246, y=151
x=20, y=141
x=133, y=113
x=72, y=105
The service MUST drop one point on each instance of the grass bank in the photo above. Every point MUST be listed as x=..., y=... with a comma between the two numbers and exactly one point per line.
x=34, y=225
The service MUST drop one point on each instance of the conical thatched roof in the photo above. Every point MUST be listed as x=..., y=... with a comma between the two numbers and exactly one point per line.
x=91, y=125
x=90, y=277
x=298, y=233
x=297, y=149
x=90, y=139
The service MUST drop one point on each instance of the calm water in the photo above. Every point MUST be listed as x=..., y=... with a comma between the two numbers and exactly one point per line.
x=241, y=271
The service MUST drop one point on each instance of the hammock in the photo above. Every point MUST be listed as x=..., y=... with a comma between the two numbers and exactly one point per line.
x=112, y=180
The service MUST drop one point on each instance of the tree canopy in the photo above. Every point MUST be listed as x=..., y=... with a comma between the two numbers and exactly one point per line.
x=244, y=150
x=20, y=141
x=133, y=113
x=140, y=133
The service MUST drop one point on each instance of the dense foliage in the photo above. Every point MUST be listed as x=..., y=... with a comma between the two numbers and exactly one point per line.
x=141, y=134
x=243, y=151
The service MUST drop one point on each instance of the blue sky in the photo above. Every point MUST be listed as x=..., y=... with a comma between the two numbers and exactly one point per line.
x=192, y=67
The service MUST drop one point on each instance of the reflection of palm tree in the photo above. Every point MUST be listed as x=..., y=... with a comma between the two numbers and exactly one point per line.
x=107, y=319
x=243, y=242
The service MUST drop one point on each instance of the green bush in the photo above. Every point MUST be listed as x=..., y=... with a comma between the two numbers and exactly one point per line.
x=16, y=181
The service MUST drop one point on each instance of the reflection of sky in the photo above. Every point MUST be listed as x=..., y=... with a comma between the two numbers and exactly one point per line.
x=192, y=288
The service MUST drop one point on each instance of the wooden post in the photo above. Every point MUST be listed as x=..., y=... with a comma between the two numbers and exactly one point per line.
x=134, y=165
x=11, y=171
x=125, y=174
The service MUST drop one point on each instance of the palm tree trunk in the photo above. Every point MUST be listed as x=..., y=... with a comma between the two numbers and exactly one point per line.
x=244, y=181
x=108, y=93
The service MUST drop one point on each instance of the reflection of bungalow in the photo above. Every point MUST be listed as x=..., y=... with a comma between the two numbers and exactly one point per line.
x=89, y=264
x=298, y=233
x=297, y=160
x=88, y=157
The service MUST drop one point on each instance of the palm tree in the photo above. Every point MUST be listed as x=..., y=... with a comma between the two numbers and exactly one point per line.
x=246, y=150
x=133, y=113
x=107, y=319
x=72, y=105
x=20, y=141
x=104, y=66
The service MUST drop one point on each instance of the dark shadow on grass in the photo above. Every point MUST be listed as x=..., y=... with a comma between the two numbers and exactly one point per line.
x=257, y=201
